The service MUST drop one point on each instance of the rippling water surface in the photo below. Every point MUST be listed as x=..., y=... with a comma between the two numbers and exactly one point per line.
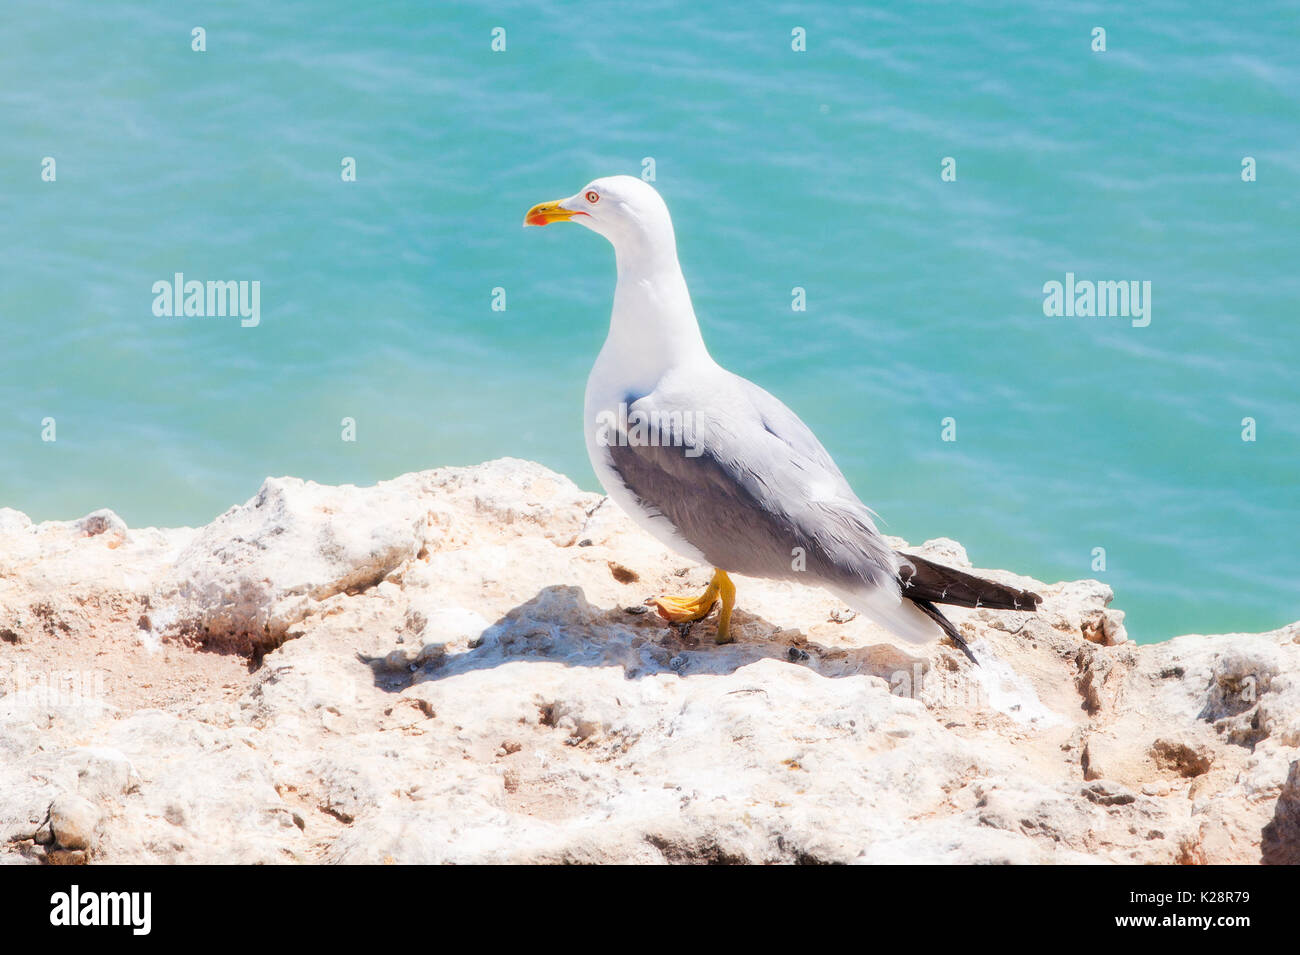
x=817, y=169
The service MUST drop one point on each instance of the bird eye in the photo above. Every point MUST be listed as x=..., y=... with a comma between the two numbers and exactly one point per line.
x=593, y=196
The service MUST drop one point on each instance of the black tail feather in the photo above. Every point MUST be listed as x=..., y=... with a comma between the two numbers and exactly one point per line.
x=924, y=580
x=931, y=611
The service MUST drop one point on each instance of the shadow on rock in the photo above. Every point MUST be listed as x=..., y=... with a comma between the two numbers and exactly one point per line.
x=1280, y=840
x=559, y=625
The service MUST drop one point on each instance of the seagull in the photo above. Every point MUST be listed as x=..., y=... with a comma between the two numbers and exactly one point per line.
x=718, y=469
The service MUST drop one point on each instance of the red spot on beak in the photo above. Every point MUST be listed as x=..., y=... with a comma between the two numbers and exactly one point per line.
x=547, y=212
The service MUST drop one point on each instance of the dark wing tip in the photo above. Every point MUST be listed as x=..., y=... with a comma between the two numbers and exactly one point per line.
x=961, y=645
x=946, y=625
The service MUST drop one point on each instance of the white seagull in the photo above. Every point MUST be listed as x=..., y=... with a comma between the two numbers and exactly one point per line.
x=719, y=470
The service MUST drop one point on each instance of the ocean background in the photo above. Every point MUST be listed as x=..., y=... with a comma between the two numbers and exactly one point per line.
x=818, y=169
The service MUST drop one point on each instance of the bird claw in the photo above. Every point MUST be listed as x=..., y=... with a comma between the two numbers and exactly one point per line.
x=682, y=609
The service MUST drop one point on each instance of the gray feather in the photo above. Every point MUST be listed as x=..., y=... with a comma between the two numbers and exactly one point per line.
x=749, y=485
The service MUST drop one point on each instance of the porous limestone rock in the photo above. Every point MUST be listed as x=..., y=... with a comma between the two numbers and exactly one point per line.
x=457, y=666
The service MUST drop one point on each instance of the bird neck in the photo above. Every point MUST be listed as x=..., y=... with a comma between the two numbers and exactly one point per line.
x=652, y=327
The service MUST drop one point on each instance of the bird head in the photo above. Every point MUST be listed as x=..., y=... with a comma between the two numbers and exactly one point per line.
x=624, y=209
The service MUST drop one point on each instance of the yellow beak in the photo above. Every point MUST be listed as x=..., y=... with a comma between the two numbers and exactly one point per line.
x=544, y=213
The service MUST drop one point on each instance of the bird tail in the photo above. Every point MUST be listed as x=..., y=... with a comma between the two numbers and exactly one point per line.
x=922, y=584
x=926, y=583
x=923, y=581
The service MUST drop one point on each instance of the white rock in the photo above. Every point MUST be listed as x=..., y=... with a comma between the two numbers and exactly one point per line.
x=254, y=571
x=74, y=821
x=105, y=525
x=444, y=671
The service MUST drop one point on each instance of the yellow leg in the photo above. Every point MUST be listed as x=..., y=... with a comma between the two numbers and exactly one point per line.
x=687, y=609
x=726, y=590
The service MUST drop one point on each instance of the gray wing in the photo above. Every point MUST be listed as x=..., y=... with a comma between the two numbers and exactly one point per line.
x=748, y=484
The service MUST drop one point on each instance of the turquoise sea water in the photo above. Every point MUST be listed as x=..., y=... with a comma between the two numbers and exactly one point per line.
x=818, y=169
